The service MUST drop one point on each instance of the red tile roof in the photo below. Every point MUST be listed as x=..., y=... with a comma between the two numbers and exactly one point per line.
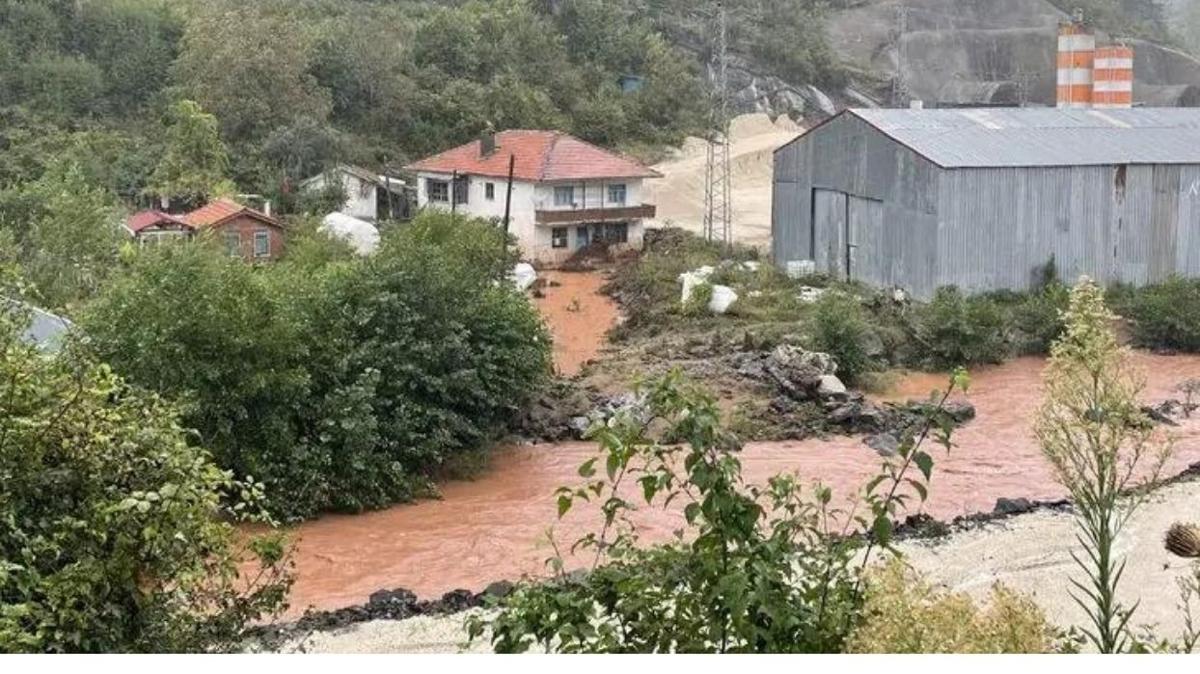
x=540, y=156
x=222, y=210
x=147, y=219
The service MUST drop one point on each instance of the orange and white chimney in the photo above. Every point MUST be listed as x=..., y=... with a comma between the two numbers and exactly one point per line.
x=1112, y=81
x=1076, y=60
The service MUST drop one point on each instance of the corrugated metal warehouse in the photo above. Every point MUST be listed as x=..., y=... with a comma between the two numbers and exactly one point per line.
x=983, y=198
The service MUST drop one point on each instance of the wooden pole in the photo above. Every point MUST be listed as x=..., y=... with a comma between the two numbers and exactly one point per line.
x=453, y=194
x=512, y=162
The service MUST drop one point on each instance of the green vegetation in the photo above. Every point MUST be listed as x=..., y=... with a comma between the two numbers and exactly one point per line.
x=842, y=329
x=905, y=614
x=111, y=531
x=954, y=330
x=340, y=384
x=267, y=93
x=766, y=569
x=1102, y=449
x=1164, y=316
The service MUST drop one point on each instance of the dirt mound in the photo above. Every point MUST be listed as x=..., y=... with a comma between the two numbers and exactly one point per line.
x=679, y=194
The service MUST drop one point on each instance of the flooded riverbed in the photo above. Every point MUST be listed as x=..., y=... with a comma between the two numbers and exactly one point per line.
x=494, y=528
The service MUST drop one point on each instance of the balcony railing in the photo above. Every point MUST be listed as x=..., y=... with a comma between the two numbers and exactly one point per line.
x=580, y=215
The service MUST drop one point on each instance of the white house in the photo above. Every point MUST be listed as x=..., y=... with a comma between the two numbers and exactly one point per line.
x=566, y=194
x=369, y=196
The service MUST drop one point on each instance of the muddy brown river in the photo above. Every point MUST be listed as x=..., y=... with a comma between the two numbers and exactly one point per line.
x=494, y=528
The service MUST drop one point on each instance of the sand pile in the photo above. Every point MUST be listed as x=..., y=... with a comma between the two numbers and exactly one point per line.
x=679, y=195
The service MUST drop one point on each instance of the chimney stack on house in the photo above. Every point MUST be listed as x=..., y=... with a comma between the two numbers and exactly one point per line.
x=487, y=142
x=1091, y=77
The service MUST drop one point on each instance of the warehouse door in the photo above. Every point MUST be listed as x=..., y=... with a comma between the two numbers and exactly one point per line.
x=864, y=226
x=828, y=236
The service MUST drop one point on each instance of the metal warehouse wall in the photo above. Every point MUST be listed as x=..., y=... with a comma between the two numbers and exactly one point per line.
x=1137, y=224
x=980, y=229
x=897, y=245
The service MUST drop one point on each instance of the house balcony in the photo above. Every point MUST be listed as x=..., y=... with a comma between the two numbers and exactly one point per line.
x=590, y=215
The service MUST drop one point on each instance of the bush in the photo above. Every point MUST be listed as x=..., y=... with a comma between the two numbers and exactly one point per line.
x=339, y=383
x=1164, y=316
x=954, y=330
x=840, y=327
x=904, y=614
x=110, y=531
x=1035, y=319
x=457, y=349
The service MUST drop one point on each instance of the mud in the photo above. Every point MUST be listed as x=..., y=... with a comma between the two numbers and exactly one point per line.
x=578, y=316
x=495, y=528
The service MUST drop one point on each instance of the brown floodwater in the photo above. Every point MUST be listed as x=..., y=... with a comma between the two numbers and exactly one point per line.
x=578, y=316
x=495, y=527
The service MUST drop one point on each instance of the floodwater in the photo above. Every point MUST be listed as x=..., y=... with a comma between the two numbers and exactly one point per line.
x=495, y=527
x=578, y=316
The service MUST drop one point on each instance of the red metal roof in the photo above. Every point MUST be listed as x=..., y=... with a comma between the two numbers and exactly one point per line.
x=541, y=156
x=147, y=219
x=221, y=210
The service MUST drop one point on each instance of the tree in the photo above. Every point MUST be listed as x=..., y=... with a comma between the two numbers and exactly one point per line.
x=194, y=161
x=68, y=231
x=111, y=531
x=250, y=65
x=1100, y=445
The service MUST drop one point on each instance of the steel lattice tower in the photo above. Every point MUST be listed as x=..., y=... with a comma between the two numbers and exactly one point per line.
x=717, y=171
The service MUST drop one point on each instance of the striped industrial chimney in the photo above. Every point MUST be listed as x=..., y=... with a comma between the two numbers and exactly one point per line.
x=1076, y=58
x=1112, y=82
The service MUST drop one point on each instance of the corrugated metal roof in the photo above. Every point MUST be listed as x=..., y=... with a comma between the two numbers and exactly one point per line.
x=999, y=137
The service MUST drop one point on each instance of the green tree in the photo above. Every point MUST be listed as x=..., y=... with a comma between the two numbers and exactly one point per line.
x=111, y=531
x=250, y=65
x=194, y=161
x=68, y=231
x=1100, y=445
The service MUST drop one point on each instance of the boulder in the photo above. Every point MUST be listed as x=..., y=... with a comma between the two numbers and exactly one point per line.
x=884, y=444
x=1013, y=506
x=798, y=372
x=830, y=386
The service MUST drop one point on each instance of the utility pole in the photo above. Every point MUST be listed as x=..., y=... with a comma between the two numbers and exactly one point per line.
x=512, y=163
x=717, y=174
x=900, y=82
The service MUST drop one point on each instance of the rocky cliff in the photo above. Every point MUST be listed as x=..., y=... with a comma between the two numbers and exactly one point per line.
x=955, y=52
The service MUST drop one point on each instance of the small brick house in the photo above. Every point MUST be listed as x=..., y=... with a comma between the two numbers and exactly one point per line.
x=255, y=236
x=245, y=232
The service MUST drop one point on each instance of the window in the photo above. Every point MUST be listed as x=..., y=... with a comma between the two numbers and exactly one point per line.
x=564, y=195
x=461, y=187
x=233, y=243
x=617, y=232
x=437, y=190
x=581, y=236
x=616, y=194
x=558, y=237
x=262, y=243
x=489, y=191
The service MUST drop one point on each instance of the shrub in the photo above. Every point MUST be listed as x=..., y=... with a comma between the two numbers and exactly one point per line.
x=1034, y=318
x=954, y=330
x=1165, y=316
x=339, y=383
x=458, y=350
x=840, y=328
x=904, y=614
x=1102, y=448
x=110, y=531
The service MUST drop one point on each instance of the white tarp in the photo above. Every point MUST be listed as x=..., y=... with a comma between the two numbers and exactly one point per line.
x=723, y=297
x=523, y=276
x=360, y=234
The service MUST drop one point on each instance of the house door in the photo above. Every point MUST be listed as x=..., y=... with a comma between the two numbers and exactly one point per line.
x=829, y=232
x=864, y=224
x=581, y=237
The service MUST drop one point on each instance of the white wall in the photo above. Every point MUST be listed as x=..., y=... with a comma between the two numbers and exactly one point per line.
x=361, y=200
x=536, y=241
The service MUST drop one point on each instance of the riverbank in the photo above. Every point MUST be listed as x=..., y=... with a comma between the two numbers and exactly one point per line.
x=1029, y=552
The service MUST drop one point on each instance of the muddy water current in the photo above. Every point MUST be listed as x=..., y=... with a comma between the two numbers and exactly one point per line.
x=495, y=527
